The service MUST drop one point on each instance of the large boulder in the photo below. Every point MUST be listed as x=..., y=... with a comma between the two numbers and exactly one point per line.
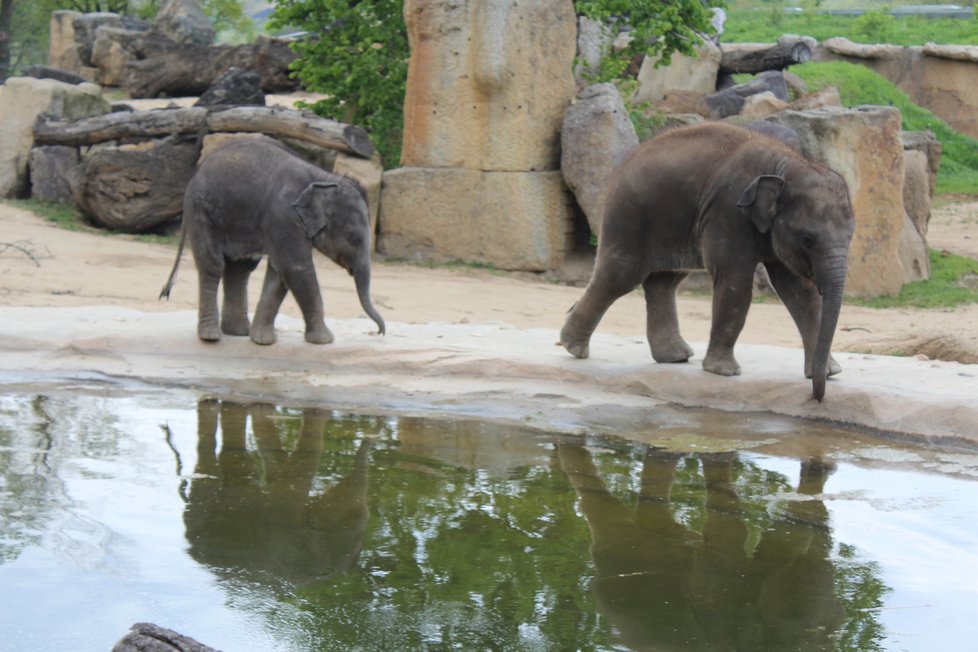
x=62, y=50
x=596, y=137
x=696, y=74
x=235, y=86
x=50, y=166
x=864, y=146
x=594, y=41
x=185, y=22
x=487, y=83
x=22, y=100
x=730, y=101
x=914, y=253
x=487, y=86
x=133, y=188
x=511, y=220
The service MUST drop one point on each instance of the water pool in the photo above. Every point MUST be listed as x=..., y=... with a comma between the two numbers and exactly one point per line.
x=253, y=526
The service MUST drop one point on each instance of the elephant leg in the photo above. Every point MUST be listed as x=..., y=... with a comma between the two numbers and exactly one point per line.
x=273, y=292
x=605, y=288
x=234, y=313
x=662, y=319
x=732, y=291
x=804, y=304
x=301, y=280
x=208, y=326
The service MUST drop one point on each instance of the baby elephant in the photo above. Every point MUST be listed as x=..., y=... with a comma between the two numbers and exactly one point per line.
x=721, y=198
x=253, y=198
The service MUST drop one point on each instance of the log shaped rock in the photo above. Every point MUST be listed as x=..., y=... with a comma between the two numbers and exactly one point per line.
x=133, y=188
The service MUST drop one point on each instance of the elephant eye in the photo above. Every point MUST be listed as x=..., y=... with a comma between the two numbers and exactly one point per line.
x=355, y=240
x=807, y=240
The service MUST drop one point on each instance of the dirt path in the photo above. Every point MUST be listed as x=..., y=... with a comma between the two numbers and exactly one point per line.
x=84, y=302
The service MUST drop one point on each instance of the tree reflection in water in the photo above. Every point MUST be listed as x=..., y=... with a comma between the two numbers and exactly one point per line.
x=478, y=536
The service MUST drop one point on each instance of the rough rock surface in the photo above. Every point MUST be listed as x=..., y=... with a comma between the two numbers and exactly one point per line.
x=596, y=138
x=864, y=146
x=185, y=22
x=234, y=87
x=940, y=78
x=697, y=74
x=49, y=167
x=132, y=188
x=445, y=215
x=487, y=83
x=22, y=100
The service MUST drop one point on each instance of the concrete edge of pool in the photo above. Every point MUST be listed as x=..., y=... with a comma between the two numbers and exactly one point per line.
x=487, y=370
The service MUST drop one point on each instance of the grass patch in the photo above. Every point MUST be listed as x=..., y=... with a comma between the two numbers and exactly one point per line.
x=953, y=282
x=858, y=85
x=65, y=216
x=68, y=217
x=768, y=24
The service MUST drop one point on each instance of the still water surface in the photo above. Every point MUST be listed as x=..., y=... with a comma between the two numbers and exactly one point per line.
x=258, y=527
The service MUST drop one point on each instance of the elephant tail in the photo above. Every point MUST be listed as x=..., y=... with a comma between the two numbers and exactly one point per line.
x=165, y=292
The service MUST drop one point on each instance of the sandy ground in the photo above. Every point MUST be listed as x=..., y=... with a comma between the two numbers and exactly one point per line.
x=83, y=305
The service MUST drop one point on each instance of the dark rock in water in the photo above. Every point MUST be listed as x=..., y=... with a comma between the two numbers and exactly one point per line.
x=147, y=637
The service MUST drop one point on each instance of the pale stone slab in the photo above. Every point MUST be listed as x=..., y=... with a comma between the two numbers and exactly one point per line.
x=512, y=220
x=487, y=83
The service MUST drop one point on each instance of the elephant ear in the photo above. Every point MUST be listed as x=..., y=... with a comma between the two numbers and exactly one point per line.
x=760, y=200
x=311, y=206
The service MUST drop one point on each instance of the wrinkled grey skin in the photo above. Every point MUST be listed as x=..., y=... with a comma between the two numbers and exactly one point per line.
x=721, y=198
x=249, y=199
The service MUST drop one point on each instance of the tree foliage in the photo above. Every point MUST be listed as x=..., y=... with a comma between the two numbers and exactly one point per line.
x=357, y=52
x=658, y=27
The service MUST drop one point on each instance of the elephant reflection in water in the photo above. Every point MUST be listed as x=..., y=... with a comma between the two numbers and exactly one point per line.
x=664, y=586
x=254, y=512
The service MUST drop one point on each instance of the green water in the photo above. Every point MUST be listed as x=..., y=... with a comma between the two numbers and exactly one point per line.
x=256, y=527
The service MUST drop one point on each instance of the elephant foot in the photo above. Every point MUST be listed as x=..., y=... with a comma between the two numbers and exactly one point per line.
x=208, y=332
x=675, y=351
x=263, y=335
x=236, y=327
x=722, y=365
x=319, y=336
x=576, y=346
x=833, y=368
x=577, y=349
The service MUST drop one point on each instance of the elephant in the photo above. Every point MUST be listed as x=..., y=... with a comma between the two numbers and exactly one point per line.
x=723, y=198
x=252, y=198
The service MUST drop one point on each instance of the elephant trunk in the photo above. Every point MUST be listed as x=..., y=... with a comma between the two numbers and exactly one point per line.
x=361, y=277
x=831, y=275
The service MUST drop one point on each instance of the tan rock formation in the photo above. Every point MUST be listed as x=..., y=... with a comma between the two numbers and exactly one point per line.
x=864, y=146
x=696, y=74
x=511, y=220
x=22, y=100
x=487, y=86
x=487, y=83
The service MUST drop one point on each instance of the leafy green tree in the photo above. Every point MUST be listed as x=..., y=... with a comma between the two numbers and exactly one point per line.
x=358, y=53
x=658, y=27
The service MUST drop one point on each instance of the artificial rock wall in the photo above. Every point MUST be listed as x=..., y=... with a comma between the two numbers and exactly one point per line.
x=487, y=86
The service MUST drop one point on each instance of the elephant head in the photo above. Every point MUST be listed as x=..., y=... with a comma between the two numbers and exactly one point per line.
x=806, y=210
x=337, y=221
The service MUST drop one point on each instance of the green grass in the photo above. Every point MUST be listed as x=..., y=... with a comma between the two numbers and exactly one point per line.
x=68, y=217
x=858, y=85
x=765, y=24
x=953, y=281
